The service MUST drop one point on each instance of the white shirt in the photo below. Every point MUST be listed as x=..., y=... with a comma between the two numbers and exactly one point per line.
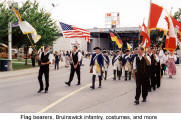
x=157, y=58
x=79, y=55
x=172, y=56
x=140, y=57
x=50, y=57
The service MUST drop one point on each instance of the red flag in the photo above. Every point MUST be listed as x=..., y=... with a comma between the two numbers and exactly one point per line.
x=146, y=40
x=171, y=42
x=177, y=26
x=155, y=13
x=145, y=28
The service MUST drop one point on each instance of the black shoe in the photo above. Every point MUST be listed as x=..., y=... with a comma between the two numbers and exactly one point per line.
x=154, y=88
x=92, y=87
x=136, y=102
x=114, y=78
x=99, y=87
x=78, y=84
x=104, y=78
x=67, y=83
x=46, y=91
x=144, y=100
x=39, y=91
x=125, y=79
x=119, y=78
x=149, y=90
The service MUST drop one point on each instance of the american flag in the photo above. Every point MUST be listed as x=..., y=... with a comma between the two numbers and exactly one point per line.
x=70, y=31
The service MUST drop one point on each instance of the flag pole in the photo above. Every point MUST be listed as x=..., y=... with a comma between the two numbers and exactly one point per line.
x=32, y=43
x=148, y=23
x=149, y=18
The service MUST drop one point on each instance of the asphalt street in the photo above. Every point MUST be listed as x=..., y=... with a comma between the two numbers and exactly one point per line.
x=19, y=94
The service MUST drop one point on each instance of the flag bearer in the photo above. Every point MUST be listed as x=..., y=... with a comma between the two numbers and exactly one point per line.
x=106, y=60
x=117, y=65
x=127, y=63
x=158, y=70
x=75, y=57
x=154, y=63
x=45, y=59
x=140, y=65
x=97, y=66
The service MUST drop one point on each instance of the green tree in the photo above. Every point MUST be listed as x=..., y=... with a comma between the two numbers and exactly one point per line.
x=177, y=15
x=36, y=16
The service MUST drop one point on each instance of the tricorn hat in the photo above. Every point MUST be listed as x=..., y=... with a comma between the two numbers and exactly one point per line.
x=97, y=48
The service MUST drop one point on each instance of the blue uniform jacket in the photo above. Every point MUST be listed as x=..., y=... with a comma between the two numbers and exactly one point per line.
x=114, y=59
x=99, y=58
x=133, y=57
x=107, y=59
x=129, y=59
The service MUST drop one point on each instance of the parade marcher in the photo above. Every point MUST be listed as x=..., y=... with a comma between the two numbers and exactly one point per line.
x=33, y=58
x=166, y=66
x=154, y=60
x=57, y=60
x=75, y=58
x=106, y=61
x=127, y=63
x=67, y=59
x=97, y=66
x=158, y=70
x=163, y=60
x=140, y=64
x=45, y=59
x=117, y=65
x=135, y=54
x=171, y=64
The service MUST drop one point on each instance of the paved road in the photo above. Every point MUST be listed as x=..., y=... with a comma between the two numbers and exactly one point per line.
x=19, y=94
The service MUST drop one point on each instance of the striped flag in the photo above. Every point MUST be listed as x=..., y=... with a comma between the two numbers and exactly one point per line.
x=116, y=39
x=70, y=31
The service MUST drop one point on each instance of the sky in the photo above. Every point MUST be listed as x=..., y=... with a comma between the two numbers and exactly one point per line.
x=91, y=13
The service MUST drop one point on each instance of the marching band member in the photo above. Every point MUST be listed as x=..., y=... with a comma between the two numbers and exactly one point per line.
x=127, y=63
x=97, y=65
x=106, y=60
x=117, y=65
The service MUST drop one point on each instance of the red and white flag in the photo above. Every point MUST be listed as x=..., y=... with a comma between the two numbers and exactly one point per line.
x=70, y=31
x=171, y=41
x=155, y=14
x=146, y=42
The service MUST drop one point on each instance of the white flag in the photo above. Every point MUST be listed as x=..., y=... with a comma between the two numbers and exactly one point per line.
x=27, y=28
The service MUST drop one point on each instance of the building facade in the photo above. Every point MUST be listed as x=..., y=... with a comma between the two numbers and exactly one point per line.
x=101, y=37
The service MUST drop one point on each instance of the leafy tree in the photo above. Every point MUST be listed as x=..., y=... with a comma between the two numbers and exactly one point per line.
x=36, y=16
x=177, y=15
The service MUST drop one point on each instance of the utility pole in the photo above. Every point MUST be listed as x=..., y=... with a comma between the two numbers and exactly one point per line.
x=10, y=45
